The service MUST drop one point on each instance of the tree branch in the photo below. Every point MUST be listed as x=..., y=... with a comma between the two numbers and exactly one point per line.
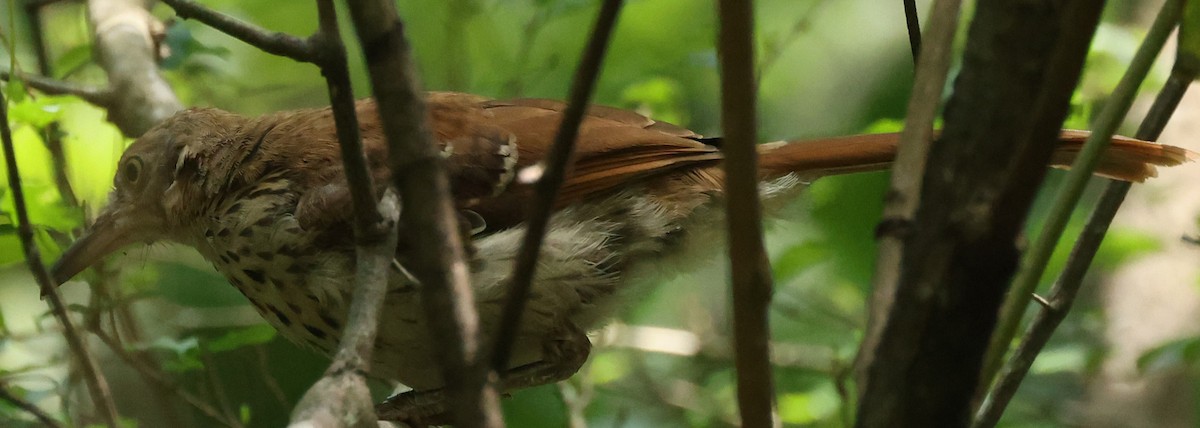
x=276, y=43
x=1062, y=295
x=913, y=23
x=92, y=377
x=904, y=195
x=429, y=219
x=553, y=174
x=41, y=416
x=97, y=96
x=126, y=45
x=749, y=268
x=1033, y=265
x=1021, y=64
x=341, y=397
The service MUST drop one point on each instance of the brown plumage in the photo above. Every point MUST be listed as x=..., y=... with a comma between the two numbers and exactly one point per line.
x=265, y=200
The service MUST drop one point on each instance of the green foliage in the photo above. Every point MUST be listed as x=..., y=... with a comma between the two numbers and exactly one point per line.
x=1181, y=353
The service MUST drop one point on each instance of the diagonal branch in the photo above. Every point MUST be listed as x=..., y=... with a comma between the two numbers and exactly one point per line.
x=1033, y=264
x=39, y=414
x=553, y=174
x=155, y=376
x=1062, y=295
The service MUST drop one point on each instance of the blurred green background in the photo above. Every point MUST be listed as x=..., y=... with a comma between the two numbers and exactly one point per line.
x=828, y=67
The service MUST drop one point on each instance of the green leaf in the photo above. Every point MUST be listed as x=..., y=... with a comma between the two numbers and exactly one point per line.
x=248, y=336
x=1188, y=56
x=244, y=414
x=15, y=91
x=73, y=59
x=183, y=45
x=185, y=353
x=1182, y=352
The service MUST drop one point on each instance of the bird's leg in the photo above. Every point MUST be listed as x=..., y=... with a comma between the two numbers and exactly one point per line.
x=562, y=356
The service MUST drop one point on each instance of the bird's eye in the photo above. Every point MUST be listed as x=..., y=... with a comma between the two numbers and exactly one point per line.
x=133, y=170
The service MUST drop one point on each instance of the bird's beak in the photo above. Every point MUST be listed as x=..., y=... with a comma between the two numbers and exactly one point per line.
x=109, y=233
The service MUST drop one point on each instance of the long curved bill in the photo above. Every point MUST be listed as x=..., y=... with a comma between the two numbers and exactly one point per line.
x=108, y=234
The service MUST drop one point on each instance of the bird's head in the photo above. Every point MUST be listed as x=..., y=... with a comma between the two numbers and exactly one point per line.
x=151, y=190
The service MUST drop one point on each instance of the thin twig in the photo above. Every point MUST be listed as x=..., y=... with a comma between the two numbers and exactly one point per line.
x=159, y=379
x=1062, y=295
x=261, y=360
x=1034, y=263
x=770, y=57
x=53, y=140
x=342, y=393
x=749, y=268
x=428, y=216
x=97, y=96
x=330, y=55
x=45, y=419
x=904, y=195
x=547, y=186
x=216, y=386
x=276, y=43
x=913, y=23
x=92, y=376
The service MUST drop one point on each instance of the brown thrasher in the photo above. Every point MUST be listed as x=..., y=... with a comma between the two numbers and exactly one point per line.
x=265, y=200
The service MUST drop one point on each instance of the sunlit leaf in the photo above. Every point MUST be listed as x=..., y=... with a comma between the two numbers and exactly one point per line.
x=811, y=406
x=242, y=337
x=660, y=98
x=15, y=90
x=73, y=59
x=244, y=413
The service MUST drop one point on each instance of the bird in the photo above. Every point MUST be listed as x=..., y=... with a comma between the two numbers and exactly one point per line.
x=265, y=200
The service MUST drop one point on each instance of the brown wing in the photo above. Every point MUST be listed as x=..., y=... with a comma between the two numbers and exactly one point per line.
x=614, y=147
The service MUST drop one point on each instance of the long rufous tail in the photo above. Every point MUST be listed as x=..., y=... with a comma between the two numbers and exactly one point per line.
x=1125, y=159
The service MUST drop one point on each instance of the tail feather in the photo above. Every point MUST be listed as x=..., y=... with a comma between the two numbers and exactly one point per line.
x=1125, y=159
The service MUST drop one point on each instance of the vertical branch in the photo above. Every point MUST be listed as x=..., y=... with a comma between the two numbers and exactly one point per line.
x=552, y=177
x=330, y=55
x=749, y=268
x=92, y=377
x=903, y=196
x=33, y=14
x=1021, y=65
x=913, y=23
x=429, y=218
x=341, y=397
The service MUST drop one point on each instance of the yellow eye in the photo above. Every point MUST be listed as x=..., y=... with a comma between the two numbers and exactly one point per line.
x=133, y=170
